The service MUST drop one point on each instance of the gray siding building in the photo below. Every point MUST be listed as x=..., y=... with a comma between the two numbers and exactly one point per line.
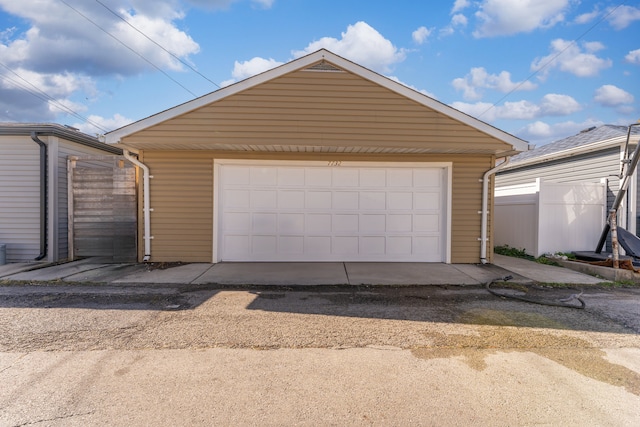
x=33, y=187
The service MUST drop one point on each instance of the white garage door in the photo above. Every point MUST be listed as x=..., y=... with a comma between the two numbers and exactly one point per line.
x=330, y=212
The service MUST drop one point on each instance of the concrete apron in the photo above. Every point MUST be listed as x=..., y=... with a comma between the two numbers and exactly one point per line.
x=283, y=274
x=301, y=274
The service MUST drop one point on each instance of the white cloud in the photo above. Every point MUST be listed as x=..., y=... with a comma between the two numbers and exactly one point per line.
x=585, y=18
x=612, y=96
x=246, y=69
x=64, y=48
x=507, y=17
x=633, y=57
x=446, y=31
x=623, y=16
x=421, y=34
x=458, y=5
x=554, y=104
x=115, y=122
x=550, y=105
x=478, y=78
x=362, y=44
x=568, y=57
x=459, y=20
x=225, y=4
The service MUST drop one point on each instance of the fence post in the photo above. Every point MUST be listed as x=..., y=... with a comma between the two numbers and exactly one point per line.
x=614, y=238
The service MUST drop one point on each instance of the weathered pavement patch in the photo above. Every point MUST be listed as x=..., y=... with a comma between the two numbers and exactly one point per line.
x=431, y=356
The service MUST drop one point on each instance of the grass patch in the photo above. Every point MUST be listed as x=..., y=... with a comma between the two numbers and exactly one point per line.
x=521, y=253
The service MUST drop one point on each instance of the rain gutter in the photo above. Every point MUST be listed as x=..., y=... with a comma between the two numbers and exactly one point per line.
x=43, y=195
x=146, y=202
x=485, y=208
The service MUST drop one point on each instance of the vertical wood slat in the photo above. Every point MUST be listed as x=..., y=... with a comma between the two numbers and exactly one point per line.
x=103, y=210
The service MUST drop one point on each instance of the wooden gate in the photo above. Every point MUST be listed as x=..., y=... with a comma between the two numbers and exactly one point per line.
x=102, y=208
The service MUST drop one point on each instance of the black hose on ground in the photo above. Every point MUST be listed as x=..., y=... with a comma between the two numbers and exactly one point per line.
x=562, y=303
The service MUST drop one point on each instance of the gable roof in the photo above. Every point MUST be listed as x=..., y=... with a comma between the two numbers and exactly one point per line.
x=591, y=139
x=322, y=60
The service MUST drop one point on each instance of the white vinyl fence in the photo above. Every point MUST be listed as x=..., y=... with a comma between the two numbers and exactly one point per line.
x=544, y=217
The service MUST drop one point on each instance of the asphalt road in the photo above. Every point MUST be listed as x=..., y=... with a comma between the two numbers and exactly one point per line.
x=89, y=355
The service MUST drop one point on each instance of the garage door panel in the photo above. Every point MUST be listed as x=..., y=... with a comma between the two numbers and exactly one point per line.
x=291, y=245
x=236, y=245
x=264, y=223
x=400, y=201
x=428, y=246
x=346, y=177
x=238, y=222
x=264, y=245
x=288, y=199
x=399, y=223
x=239, y=175
x=429, y=223
x=346, y=223
x=345, y=200
x=372, y=245
x=291, y=177
x=318, y=224
x=318, y=200
x=318, y=177
x=427, y=178
x=400, y=178
x=399, y=245
x=373, y=200
x=290, y=223
x=373, y=224
x=260, y=176
x=240, y=199
x=330, y=213
x=264, y=199
x=318, y=246
x=426, y=201
x=373, y=178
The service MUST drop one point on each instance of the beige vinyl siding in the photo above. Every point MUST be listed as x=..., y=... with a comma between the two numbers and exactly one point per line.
x=182, y=199
x=317, y=109
x=20, y=197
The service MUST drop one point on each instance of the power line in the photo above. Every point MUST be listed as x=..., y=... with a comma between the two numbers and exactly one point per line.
x=552, y=59
x=131, y=49
x=39, y=93
x=117, y=15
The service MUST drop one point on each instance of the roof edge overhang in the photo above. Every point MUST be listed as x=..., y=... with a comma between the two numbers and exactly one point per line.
x=571, y=152
x=56, y=130
x=517, y=144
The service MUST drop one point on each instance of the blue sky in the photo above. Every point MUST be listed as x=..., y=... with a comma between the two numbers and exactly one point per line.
x=539, y=69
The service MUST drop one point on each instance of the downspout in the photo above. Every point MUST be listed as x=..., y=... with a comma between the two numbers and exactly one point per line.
x=43, y=195
x=485, y=208
x=145, y=204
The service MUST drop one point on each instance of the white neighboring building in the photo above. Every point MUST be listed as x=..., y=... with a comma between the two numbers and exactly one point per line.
x=592, y=156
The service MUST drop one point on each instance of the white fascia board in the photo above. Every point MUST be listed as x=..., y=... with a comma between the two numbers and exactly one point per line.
x=115, y=136
x=517, y=143
x=305, y=61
